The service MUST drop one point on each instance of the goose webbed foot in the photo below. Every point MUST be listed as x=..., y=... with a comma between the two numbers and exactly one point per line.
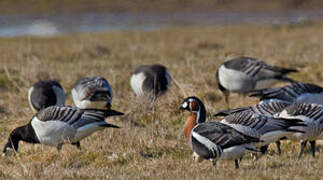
x=59, y=147
x=77, y=144
x=313, y=148
x=301, y=151
x=213, y=162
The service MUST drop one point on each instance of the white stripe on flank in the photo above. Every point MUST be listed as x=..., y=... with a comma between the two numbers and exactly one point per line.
x=209, y=144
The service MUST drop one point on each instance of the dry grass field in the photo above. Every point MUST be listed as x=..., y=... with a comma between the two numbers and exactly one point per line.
x=150, y=144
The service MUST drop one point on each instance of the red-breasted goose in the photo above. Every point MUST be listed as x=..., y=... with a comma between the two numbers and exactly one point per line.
x=213, y=140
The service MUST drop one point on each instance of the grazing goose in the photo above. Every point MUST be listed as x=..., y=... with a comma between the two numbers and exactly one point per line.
x=312, y=116
x=267, y=129
x=150, y=81
x=43, y=94
x=57, y=125
x=268, y=109
x=92, y=93
x=294, y=93
x=213, y=140
x=244, y=74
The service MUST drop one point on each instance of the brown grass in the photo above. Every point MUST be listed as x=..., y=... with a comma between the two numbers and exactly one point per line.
x=150, y=145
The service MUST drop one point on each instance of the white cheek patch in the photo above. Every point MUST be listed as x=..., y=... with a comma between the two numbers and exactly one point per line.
x=185, y=104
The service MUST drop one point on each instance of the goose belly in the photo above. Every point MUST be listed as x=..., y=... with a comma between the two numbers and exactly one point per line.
x=235, y=152
x=234, y=80
x=52, y=132
x=87, y=130
x=136, y=83
x=266, y=83
x=312, y=132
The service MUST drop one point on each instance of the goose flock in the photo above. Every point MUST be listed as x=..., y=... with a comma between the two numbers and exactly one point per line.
x=293, y=112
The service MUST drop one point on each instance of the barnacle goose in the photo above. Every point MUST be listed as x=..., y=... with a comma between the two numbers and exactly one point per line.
x=294, y=93
x=312, y=116
x=150, y=81
x=92, y=93
x=265, y=108
x=57, y=125
x=213, y=140
x=244, y=74
x=43, y=94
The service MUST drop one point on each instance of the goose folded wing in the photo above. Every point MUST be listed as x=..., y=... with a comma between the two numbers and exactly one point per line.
x=223, y=135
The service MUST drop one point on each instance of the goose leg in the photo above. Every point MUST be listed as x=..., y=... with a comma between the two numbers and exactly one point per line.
x=236, y=163
x=226, y=97
x=301, y=151
x=59, y=147
x=213, y=162
x=77, y=144
x=278, y=147
x=313, y=148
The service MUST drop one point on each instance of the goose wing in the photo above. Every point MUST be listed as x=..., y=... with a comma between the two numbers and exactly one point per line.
x=286, y=93
x=304, y=111
x=221, y=134
x=75, y=117
x=249, y=122
x=95, y=89
x=258, y=69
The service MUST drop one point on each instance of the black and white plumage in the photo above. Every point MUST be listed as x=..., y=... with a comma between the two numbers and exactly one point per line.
x=267, y=129
x=213, y=140
x=150, y=80
x=294, y=93
x=57, y=125
x=245, y=74
x=268, y=108
x=92, y=93
x=43, y=94
x=312, y=116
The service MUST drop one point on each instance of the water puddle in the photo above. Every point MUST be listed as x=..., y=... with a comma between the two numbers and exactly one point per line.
x=18, y=25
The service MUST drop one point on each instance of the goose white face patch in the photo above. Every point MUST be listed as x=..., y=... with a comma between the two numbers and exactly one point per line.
x=185, y=105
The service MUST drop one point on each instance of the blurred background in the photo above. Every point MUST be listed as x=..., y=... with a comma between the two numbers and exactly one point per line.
x=48, y=17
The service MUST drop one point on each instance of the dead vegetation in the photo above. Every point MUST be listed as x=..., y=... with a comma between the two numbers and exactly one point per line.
x=150, y=144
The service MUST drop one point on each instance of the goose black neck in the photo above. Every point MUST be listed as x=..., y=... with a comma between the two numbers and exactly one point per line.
x=24, y=133
x=201, y=113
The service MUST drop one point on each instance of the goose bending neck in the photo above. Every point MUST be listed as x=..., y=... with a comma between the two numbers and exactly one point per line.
x=195, y=118
x=23, y=133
